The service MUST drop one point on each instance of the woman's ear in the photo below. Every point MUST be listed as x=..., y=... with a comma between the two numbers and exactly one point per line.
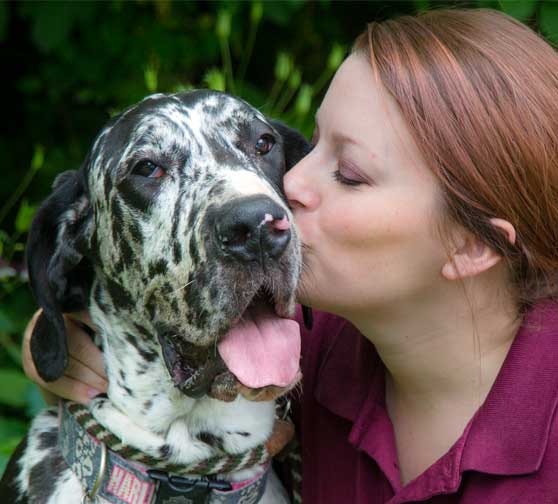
x=59, y=274
x=472, y=256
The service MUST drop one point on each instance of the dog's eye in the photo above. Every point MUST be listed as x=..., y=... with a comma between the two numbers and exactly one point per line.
x=146, y=168
x=264, y=144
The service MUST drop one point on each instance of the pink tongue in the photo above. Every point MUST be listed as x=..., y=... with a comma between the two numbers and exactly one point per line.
x=262, y=350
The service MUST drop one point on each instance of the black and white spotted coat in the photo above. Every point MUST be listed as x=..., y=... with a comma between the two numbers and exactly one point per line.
x=139, y=251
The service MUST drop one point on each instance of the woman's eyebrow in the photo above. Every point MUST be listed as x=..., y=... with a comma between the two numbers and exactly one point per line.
x=340, y=137
x=372, y=157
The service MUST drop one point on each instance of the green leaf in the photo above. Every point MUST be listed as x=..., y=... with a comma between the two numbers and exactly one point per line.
x=283, y=66
x=181, y=87
x=25, y=216
x=303, y=100
x=11, y=433
x=256, y=12
x=150, y=78
x=223, y=26
x=519, y=9
x=38, y=159
x=16, y=309
x=11, y=429
x=335, y=57
x=35, y=401
x=7, y=446
x=422, y=5
x=215, y=79
x=14, y=388
x=7, y=325
x=294, y=79
x=282, y=12
x=548, y=20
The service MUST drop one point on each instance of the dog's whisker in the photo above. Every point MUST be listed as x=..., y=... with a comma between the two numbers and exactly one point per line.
x=184, y=286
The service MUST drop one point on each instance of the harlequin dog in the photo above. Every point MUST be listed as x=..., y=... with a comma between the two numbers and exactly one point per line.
x=176, y=235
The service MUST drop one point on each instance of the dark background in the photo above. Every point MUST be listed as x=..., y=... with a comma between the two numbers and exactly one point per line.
x=68, y=66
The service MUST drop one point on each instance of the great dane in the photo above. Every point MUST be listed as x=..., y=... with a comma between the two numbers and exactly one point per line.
x=176, y=235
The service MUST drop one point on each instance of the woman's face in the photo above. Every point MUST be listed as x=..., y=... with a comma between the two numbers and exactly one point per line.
x=365, y=203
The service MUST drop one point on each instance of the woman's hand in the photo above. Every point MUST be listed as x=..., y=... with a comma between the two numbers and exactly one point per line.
x=84, y=377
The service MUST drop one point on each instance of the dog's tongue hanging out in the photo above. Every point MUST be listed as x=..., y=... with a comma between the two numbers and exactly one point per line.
x=262, y=349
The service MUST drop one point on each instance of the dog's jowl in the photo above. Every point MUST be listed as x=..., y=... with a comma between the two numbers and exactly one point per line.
x=176, y=236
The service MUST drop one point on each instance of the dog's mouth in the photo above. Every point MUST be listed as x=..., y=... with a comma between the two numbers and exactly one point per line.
x=260, y=349
x=263, y=347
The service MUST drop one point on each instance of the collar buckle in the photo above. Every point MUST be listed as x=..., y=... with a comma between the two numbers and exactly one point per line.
x=190, y=490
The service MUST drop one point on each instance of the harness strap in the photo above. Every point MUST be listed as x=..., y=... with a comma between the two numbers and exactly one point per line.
x=105, y=473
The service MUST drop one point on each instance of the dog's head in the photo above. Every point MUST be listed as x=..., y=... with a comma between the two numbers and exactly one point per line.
x=178, y=219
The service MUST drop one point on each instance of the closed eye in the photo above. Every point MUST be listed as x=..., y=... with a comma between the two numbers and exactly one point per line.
x=339, y=177
x=348, y=175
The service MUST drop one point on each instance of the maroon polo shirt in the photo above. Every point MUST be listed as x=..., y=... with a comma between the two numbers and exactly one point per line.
x=508, y=452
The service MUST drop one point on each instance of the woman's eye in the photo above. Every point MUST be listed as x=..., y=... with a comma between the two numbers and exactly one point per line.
x=264, y=144
x=149, y=169
x=339, y=177
x=347, y=175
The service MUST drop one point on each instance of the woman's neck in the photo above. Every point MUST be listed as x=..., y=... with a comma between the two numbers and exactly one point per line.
x=441, y=362
x=446, y=349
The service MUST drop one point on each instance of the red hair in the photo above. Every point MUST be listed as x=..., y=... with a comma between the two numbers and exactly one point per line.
x=479, y=91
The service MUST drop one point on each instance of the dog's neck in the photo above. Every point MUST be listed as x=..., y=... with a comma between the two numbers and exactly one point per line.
x=141, y=388
x=139, y=383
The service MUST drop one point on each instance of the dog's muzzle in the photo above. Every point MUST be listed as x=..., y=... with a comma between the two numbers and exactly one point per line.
x=251, y=237
x=252, y=229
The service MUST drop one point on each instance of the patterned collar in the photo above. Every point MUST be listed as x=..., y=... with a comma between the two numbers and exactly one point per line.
x=104, y=472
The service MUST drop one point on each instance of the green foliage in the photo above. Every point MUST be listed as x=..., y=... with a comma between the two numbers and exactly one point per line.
x=548, y=16
x=72, y=65
x=522, y=10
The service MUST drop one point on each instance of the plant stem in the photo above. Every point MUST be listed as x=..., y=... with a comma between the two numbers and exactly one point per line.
x=247, y=54
x=12, y=200
x=226, y=55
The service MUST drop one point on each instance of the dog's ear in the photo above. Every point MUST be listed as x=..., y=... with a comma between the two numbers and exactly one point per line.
x=59, y=273
x=295, y=144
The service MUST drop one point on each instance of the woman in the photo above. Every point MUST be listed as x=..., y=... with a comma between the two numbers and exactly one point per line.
x=428, y=209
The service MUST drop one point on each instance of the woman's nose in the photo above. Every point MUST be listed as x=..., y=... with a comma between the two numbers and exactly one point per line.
x=300, y=185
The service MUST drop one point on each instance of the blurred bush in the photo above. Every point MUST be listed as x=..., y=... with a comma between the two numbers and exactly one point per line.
x=69, y=66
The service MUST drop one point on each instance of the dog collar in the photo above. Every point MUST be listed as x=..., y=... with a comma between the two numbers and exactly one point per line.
x=111, y=470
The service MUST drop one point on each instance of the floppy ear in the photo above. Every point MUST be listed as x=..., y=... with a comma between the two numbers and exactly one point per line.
x=296, y=146
x=58, y=272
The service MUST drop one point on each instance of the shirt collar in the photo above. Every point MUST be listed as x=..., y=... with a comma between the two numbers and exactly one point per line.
x=510, y=431
x=348, y=373
x=508, y=434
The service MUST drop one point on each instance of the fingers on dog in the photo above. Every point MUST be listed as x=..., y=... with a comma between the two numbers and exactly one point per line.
x=80, y=372
x=28, y=364
x=74, y=390
x=92, y=380
x=82, y=349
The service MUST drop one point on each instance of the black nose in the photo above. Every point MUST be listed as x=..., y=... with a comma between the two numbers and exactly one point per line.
x=252, y=229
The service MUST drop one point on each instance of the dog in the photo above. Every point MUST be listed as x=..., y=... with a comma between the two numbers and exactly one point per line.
x=175, y=233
